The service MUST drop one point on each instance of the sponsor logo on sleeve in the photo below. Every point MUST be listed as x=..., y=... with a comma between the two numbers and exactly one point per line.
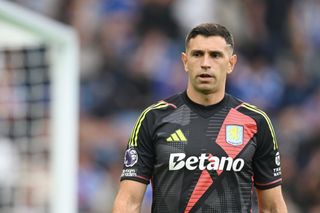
x=277, y=171
x=128, y=173
x=130, y=157
x=234, y=135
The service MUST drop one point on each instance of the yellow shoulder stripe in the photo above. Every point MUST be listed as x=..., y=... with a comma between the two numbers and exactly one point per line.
x=255, y=109
x=134, y=135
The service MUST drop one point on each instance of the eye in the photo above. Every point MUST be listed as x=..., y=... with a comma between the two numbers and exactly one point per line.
x=196, y=53
x=216, y=54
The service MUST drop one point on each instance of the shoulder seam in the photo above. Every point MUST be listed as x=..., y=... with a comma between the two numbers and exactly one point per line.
x=134, y=134
x=265, y=116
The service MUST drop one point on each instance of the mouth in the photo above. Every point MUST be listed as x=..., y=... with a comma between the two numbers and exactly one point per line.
x=205, y=76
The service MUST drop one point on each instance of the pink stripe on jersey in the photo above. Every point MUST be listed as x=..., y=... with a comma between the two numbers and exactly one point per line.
x=245, y=124
x=169, y=104
x=204, y=182
x=270, y=183
x=144, y=178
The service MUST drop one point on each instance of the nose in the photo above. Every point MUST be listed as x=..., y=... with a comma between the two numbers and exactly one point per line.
x=205, y=64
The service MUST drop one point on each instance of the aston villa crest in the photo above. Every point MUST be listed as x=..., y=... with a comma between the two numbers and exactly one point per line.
x=234, y=135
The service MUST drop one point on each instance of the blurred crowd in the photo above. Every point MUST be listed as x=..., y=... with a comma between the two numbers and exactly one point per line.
x=130, y=58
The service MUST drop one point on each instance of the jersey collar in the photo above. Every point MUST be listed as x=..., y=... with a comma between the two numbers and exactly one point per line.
x=205, y=111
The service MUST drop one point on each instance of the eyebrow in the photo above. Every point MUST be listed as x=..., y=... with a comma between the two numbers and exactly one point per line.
x=210, y=51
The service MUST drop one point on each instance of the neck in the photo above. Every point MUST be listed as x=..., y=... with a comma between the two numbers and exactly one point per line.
x=205, y=99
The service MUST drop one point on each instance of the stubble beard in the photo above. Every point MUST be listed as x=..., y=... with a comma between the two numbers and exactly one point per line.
x=204, y=89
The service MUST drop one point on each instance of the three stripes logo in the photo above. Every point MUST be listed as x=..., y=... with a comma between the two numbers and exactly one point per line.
x=177, y=136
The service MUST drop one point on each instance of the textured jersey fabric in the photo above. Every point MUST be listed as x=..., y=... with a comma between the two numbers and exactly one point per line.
x=203, y=158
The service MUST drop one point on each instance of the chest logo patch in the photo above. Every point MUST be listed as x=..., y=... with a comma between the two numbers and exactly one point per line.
x=234, y=135
x=177, y=136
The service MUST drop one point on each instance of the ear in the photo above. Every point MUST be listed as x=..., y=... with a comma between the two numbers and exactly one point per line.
x=184, y=59
x=232, y=62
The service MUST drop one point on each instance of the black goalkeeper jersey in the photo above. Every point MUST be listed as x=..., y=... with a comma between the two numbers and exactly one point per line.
x=203, y=159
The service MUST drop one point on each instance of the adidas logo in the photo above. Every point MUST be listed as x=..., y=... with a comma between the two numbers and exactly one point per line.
x=177, y=136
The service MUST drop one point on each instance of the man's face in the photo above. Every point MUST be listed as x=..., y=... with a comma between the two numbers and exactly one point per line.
x=207, y=61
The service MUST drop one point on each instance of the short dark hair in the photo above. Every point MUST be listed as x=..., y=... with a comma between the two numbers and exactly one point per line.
x=210, y=29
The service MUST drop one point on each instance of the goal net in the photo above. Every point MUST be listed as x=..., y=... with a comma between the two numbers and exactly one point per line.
x=38, y=113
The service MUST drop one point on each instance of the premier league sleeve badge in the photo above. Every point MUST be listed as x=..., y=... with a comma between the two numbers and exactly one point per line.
x=130, y=157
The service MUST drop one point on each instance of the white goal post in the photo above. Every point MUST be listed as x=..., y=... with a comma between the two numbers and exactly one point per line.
x=22, y=27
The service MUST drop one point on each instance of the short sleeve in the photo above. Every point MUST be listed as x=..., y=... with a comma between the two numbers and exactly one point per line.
x=266, y=163
x=139, y=156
